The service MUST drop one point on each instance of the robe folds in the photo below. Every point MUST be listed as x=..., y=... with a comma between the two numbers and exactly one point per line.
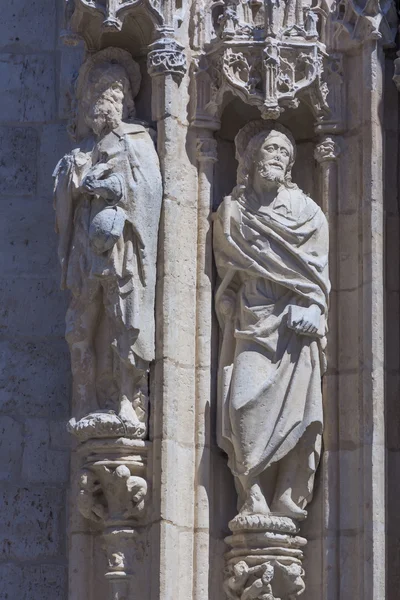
x=126, y=272
x=269, y=259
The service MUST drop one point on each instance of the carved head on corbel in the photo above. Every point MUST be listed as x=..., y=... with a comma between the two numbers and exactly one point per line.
x=106, y=87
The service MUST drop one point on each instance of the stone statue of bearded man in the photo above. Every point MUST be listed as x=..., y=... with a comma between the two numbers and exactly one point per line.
x=271, y=251
x=108, y=195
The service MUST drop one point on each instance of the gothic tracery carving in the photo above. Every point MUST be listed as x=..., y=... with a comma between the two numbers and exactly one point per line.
x=269, y=62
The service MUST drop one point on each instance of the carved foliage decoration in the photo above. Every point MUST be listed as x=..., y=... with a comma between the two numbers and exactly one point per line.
x=166, y=55
x=265, y=560
x=113, y=494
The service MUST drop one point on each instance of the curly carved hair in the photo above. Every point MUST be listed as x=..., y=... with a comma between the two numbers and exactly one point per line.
x=248, y=159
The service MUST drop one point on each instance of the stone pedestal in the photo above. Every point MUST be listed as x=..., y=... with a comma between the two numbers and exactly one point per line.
x=265, y=559
x=113, y=492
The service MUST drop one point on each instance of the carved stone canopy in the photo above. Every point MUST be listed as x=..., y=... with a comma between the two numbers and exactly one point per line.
x=269, y=62
x=98, y=22
x=271, y=75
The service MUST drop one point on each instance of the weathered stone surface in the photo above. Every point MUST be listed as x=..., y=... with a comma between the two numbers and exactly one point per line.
x=108, y=202
x=29, y=251
x=32, y=305
x=271, y=251
x=71, y=59
x=191, y=496
x=54, y=142
x=18, y=165
x=30, y=523
x=22, y=26
x=41, y=463
x=11, y=445
x=27, y=87
x=32, y=582
x=35, y=377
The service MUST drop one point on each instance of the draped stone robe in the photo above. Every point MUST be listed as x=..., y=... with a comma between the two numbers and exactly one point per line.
x=127, y=271
x=270, y=258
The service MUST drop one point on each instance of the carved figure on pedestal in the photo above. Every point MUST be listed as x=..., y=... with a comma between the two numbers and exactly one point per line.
x=108, y=195
x=271, y=250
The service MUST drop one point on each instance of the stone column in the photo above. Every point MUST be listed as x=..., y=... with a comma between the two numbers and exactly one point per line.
x=327, y=154
x=372, y=383
x=175, y=377
x=206, y=156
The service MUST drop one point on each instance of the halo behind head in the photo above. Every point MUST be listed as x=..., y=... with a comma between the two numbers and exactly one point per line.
x=249, y=131
x=109, y=57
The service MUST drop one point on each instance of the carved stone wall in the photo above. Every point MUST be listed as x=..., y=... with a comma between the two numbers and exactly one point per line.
x=35, y=371
x=158, y=99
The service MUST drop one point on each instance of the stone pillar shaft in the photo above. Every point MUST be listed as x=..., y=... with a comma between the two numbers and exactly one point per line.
x=206, y=156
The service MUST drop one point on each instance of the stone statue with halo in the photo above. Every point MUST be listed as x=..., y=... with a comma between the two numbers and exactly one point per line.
x=108, y=195
x=271, y=251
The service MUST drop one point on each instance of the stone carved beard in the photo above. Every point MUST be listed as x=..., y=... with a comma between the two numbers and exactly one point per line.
x=271, y=173
x=107, y=110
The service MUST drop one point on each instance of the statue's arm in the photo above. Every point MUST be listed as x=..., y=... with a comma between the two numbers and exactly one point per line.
x=307, y=320
x=101, y=181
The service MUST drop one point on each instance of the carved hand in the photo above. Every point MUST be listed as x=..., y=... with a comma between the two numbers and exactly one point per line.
x=305, y=321
x=95, y=174
x=109, y=188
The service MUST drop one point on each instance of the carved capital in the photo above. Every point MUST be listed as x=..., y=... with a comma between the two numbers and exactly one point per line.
x=166, y=56
x=206, y=149
x=327, y=150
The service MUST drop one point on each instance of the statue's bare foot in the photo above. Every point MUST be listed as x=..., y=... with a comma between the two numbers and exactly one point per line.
x=255, y=503
x=284, y=505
